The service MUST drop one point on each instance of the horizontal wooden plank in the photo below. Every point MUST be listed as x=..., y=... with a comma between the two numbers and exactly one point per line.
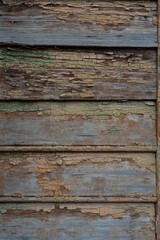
x=77, y=74
x=77, y=221
x=79, y=23
x=78, y=176
x=49, y=199
x=78, y=148
x=77, y=123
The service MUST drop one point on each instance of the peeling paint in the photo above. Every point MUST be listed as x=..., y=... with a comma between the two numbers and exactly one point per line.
x=78, y=176
x=80, y=23
x=77, y=74
x=63, y=221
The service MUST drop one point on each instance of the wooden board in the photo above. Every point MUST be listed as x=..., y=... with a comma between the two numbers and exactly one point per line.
x=77, y=123
x=80, y=148
x=158, y=165
x=78, y=176
x=79, y=23
x=77, y=221
x=78, y=74
x=158, y=133
x=79, y=195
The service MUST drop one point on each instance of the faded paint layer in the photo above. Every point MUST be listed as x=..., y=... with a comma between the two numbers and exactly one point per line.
x=77, y=221
x=78, y=176
x=77, y=123
x=79, y=23
x=77, y=74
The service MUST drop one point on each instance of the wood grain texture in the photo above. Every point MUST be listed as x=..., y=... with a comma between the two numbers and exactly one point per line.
x=77, y=221
x=78, y=176
x=158, y=160
x=77, y=123
x=158, y=132
x=79, y=23
x=79, y=148
x=77, y=74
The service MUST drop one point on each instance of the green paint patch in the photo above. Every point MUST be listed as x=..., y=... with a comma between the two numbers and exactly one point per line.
x=88, y=109
x=114, y=129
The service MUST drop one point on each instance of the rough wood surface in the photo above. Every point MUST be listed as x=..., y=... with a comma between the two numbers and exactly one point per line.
x=158, y=132
x=78, y=176
x=79, y=148
x=78, y=123
x=77, y=221
x=79, y=23
x=77, y=74
x=158, y=160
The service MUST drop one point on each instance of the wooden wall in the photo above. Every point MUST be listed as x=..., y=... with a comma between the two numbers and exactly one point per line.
x=79, y=154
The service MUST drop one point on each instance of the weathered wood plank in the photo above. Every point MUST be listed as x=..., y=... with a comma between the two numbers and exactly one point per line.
x=158, y=132
x=79, y=148
x=77, y=221
x=77, y=74
x=79, y=23
x=78, y=176
x=77, y=123
x=158, y=159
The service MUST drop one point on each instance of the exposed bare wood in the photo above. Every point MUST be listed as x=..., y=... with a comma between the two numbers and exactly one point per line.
x=78, y=176
x=78, y=74
x=77, y=123
x=79, y=23
x=77, y=221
